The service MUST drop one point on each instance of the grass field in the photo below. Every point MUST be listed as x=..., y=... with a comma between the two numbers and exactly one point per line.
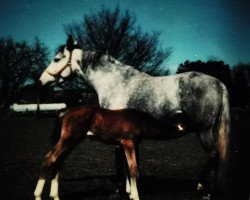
x=168, y=169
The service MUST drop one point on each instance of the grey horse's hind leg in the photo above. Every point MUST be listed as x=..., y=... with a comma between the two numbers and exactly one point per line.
x=122, y=172
x=208, y=177
x=120, y=164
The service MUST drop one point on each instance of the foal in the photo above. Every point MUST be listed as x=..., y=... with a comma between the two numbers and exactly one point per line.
x=126, y=127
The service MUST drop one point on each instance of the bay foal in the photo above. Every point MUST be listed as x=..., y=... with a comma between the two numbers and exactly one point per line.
x=126, y=127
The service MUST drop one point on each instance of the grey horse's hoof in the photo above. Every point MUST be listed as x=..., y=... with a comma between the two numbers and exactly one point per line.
x=206, y=197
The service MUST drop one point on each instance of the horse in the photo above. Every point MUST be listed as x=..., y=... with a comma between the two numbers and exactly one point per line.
x=126, y=127
x=202, y=99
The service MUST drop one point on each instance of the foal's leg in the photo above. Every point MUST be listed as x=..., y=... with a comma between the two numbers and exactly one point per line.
x=129, y=148
x=54, y=188
x=53, y=161
x=127, y=174
x=126, y=169
x=47, y=172
x=128, y=184
x=39, y=188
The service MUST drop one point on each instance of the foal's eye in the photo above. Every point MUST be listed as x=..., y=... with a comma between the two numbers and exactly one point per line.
x=56, y=59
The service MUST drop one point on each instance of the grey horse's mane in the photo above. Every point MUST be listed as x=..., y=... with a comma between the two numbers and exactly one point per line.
x=90, y=57
x=95, y=58
x=100, y=58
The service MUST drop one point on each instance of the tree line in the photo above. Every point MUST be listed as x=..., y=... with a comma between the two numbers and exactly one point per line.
x=20, y=63
x=113, y=32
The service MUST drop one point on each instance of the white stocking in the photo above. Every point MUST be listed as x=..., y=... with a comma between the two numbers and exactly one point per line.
x=39, y=189
x=54, y=188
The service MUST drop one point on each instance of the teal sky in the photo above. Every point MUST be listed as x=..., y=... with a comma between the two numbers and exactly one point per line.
x=196, y=29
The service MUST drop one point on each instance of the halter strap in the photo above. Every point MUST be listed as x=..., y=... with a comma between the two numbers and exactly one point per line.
x=57, y=75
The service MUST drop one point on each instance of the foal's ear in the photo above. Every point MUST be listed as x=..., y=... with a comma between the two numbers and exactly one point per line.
x=70, y=42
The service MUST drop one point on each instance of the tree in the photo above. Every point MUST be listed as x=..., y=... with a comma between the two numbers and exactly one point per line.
x=115, y=33
x=217, y=69
x=19, y=63
x=241, y=84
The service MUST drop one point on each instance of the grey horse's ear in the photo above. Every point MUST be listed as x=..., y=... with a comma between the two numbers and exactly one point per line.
x=70, y=42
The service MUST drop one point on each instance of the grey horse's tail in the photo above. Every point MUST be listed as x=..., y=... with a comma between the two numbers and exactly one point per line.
x=56, y=134
x=223, y=137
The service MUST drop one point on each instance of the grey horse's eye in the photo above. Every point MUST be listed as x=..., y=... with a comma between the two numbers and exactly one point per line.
x=56, y=59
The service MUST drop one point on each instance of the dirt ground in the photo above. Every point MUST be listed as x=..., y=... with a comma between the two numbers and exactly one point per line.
x=168, y=169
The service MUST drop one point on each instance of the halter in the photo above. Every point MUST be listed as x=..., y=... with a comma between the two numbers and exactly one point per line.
x=57, y=75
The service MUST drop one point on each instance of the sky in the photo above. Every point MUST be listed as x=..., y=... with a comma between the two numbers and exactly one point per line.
x=195, y=29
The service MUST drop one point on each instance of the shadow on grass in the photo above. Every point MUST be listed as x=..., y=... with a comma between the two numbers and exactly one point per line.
x=147, y=186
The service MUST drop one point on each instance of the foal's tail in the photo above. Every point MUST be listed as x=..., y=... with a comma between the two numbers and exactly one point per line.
x=223, y=137
x=56, y=134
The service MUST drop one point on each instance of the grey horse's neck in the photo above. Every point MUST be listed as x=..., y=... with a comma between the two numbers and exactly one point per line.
x=105, y=71
x=111, y=79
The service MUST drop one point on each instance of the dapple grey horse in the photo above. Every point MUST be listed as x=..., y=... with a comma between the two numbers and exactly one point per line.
x=202, y=99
